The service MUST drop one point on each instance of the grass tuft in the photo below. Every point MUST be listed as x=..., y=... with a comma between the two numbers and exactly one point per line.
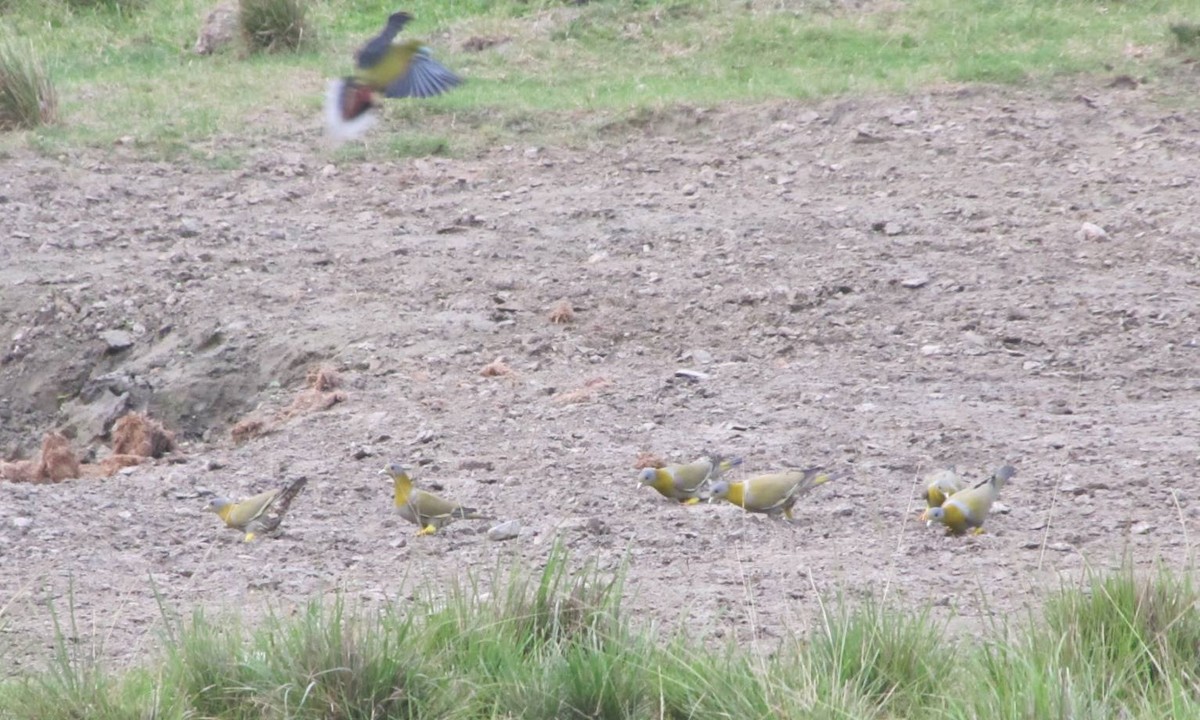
x=275, y=25
x=120, y=7
x=897, y=660
x=27, y=95
x=1187, y=35
x=555, y=643
x=1134, y=636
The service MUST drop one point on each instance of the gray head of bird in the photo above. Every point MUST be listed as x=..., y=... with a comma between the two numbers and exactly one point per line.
x=398, y=19
x=647, y=476
x=718, y=490
x=218, y=504
x=934, y=514
x=394, y=470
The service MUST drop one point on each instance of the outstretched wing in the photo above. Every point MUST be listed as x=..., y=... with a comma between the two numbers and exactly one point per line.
x=370, y=55
x=424, y=77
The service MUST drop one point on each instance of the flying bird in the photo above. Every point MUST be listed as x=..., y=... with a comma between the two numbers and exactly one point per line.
x=394, y=69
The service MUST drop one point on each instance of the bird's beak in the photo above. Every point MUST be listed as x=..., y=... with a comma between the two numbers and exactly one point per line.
x=385, y=472
x=924, y=516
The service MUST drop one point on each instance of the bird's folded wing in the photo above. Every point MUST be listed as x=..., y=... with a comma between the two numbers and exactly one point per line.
x=432, y=506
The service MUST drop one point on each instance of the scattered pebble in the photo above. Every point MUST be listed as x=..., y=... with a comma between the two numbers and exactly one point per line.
x=1090, y=231
x=504, y=531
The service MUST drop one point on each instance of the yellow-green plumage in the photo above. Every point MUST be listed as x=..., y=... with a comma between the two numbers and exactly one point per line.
x=425, y=509
x=774, y=494
x=384, y=66
x=394, y=63
x=941, y=485
x=685, y=482
x=967, y=509
x=259, y=513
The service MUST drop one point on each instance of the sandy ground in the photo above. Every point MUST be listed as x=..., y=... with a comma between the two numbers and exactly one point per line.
x=882, y=287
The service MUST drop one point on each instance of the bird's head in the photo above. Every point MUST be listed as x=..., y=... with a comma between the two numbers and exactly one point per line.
x=395, y=471
x=218, y=504
x=934, y=514
x=719, y=490
x=398, y=19
x=647, y=476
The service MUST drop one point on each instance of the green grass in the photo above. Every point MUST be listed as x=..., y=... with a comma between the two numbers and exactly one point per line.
x=556, y=643
x=275, y=25
x=27, y=94
x=125, y=71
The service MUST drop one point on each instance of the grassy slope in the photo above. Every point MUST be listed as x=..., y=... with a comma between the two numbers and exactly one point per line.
x=555, y=644
x=132, y=75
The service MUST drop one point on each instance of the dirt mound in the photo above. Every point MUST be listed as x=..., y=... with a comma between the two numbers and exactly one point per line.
x=141, y=436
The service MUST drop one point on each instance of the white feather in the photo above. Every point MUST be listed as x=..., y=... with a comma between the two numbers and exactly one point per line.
x=336, y=127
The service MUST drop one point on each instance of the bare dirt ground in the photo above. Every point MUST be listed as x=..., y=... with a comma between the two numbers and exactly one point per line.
x=879, y=286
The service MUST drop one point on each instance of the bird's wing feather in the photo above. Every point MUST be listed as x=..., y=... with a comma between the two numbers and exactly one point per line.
x=250, y=508
x=690, y=476
x=424, y=77
x=431, y=506
x=370, y=54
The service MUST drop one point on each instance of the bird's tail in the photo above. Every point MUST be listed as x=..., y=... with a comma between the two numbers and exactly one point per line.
x=347, y=109
x=271, y=520
x=1003, y=475
x=815, y=476
x=289, y=493
x=724, y=465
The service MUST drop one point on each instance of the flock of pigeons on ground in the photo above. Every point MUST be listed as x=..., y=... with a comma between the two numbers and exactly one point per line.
x=950, y=501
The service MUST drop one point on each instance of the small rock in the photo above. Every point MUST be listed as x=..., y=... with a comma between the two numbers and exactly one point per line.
x=892, y=229
x=1000, y=508
x=843, y=511
x=931, y=349
x=693, y=375
x=917, y=281
x=689, y=189
x=1090, y=231
x=363, y=451
x=188, y=227
x=1031, y=365
x=22, y=523
x=703, y=357
x=592, y=525
x=219, y=29
x=213, y=464
x=905, y=116
x=1142, y=528
x=505, y=531
x=1060, y=547
x=116, y=341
